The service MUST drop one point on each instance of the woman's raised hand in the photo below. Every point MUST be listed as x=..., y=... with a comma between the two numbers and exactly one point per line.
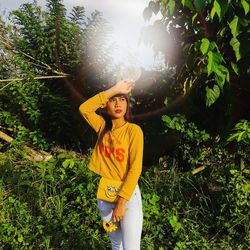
x=124, y=86
x=121, y=87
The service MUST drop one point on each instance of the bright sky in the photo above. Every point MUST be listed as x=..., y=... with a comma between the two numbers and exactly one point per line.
x=125, y=16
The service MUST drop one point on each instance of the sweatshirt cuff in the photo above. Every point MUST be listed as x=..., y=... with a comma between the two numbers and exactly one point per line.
x=125, y=195
x=103, y=99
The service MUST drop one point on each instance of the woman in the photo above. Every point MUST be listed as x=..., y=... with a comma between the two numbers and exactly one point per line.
x=117, y=157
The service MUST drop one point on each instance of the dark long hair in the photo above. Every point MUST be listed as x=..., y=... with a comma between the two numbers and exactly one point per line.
x=108, y=120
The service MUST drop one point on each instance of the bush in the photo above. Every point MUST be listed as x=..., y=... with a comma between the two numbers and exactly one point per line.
x=49, y=205
x=52, y=205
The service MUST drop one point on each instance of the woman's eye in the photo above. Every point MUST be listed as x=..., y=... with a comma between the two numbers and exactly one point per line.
x=123, y=99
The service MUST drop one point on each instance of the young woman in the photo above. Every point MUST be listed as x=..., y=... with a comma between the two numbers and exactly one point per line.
x=117, y=157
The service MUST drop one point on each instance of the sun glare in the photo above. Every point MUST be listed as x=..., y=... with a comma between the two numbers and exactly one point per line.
x=126, y=19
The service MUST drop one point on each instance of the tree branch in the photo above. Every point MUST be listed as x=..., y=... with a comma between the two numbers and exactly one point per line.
x=37, y=78
x=32, y=154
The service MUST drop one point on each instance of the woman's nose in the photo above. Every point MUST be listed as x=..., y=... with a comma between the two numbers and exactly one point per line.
x=117, y=103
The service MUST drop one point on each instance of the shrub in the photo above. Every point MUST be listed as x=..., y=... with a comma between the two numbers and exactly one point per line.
x=52, y=205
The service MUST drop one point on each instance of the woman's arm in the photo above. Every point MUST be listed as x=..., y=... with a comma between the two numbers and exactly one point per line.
x=135, y=155
x=135, y=168
x=120, y=209
x=121, y=87
x=88, y=108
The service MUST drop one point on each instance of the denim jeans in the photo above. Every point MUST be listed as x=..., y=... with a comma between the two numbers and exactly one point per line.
x=128, y=234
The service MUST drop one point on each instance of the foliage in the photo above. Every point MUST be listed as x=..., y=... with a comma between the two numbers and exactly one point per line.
x=195, y=212
x=206, y=208
x=51, y=205
x=60, y=42
x=234, y=214
x=34, y=113
x=197, y=197
x=46, y=43
x=193, y=147
x=241, y=132
x=207, y=41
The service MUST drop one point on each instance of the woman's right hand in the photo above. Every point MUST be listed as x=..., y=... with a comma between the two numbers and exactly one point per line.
x=121, y=87
x=124, y=86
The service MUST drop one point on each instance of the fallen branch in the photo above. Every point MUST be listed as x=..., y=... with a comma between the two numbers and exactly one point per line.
x=6, y=137
x=32, y=154
x=9, y=129
x=198, y=170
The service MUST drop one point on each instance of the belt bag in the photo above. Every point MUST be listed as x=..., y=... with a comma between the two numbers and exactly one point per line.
x=108, y=189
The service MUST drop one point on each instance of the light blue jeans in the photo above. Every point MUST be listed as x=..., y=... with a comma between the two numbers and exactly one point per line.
x=128, y=234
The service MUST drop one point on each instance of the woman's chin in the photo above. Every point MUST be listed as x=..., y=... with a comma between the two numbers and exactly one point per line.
x=117, y=116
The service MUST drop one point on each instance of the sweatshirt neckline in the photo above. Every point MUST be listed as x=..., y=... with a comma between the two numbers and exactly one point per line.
x=116, y=129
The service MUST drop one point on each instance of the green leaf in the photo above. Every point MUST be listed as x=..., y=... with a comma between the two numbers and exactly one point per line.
x=235, y=68
x=227, y=74
x=171, y=6
x=214, y=60
x=212, y=95
x=232, y=137
x=245, y=6
x=174, y=223
x=204, y=45
x=236, y=47
x=199, y=5
x=216, y=10
x=212, y=46
x=220, y=78
x=166, y=119
x=166, y=101
x=210, y=63
x=222, y=31
x=60, y=156
x=20, y=238
x=241, y=132
x=234, y=26
x=66, y=163
x=240, y=136
x=188, y=4
x=222, y=74
x=216, y=91
x=193, y=17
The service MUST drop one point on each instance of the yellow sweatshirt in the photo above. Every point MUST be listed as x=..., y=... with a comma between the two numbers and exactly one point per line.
x=119, y=156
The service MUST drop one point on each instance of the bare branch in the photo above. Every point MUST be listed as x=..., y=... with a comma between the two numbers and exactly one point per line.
x=36, y=78
x=198, y=170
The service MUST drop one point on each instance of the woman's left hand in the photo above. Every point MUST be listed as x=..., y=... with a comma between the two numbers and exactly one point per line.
x=119, y=210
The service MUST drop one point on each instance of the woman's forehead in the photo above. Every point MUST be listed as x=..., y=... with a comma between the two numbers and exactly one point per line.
x=117, y=96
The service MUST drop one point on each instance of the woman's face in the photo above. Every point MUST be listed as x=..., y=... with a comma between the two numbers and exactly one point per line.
x=117, y=107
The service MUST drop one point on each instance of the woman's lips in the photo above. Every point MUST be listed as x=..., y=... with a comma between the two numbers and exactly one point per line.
x=118, y=111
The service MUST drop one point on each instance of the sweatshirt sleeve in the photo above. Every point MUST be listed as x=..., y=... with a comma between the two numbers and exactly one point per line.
x=88, y=108
x=135, y=163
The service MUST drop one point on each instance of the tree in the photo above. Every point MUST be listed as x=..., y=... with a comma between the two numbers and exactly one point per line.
x=206, y=41
x=47, y=44
x=78, y=15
